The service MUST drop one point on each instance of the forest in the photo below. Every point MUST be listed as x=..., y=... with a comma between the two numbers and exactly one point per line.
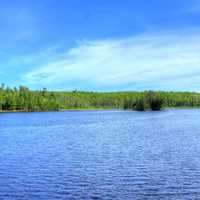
x=24, y=99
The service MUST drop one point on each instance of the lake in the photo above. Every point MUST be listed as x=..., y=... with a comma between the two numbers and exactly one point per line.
x=100, y=155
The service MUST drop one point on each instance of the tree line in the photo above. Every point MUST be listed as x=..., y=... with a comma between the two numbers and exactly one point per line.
x=24, y=99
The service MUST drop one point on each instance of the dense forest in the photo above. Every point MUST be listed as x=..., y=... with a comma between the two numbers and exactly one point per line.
x=23, y=99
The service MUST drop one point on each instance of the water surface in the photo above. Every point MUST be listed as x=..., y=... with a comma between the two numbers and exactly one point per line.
x=100, y=155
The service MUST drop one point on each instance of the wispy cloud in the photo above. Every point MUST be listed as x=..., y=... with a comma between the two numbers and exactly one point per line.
x=148, y=61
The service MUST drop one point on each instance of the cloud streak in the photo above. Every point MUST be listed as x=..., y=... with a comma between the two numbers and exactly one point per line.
x=166, y=61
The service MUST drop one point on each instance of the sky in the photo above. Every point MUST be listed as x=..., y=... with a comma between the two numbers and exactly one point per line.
x=101, y=45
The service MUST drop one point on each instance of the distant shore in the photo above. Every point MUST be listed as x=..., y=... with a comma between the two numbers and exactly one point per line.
x=61, y=110
x=23, y=99
x=92, y=109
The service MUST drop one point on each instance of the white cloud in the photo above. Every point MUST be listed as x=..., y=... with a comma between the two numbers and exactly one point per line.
x=148, y=61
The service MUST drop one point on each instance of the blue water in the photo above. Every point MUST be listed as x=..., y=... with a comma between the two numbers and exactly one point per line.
x=100, y=155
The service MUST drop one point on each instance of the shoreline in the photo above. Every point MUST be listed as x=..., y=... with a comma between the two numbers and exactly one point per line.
x=95, y=109
x=61, y=110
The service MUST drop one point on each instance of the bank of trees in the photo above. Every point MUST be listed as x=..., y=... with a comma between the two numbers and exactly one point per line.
x=23, y=99
x=145, y=101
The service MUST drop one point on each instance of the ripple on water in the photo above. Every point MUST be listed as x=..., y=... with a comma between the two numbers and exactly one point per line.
x=100, y=155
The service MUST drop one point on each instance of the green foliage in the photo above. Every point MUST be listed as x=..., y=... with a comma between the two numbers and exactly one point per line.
x=140, y=104
x=23, y=99
x=154, y=100
x=129, y=103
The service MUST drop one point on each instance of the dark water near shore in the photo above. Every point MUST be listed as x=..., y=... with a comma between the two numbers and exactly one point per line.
x=100, y=155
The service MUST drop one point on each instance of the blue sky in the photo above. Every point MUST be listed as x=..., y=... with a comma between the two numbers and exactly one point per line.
x=101, y=45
